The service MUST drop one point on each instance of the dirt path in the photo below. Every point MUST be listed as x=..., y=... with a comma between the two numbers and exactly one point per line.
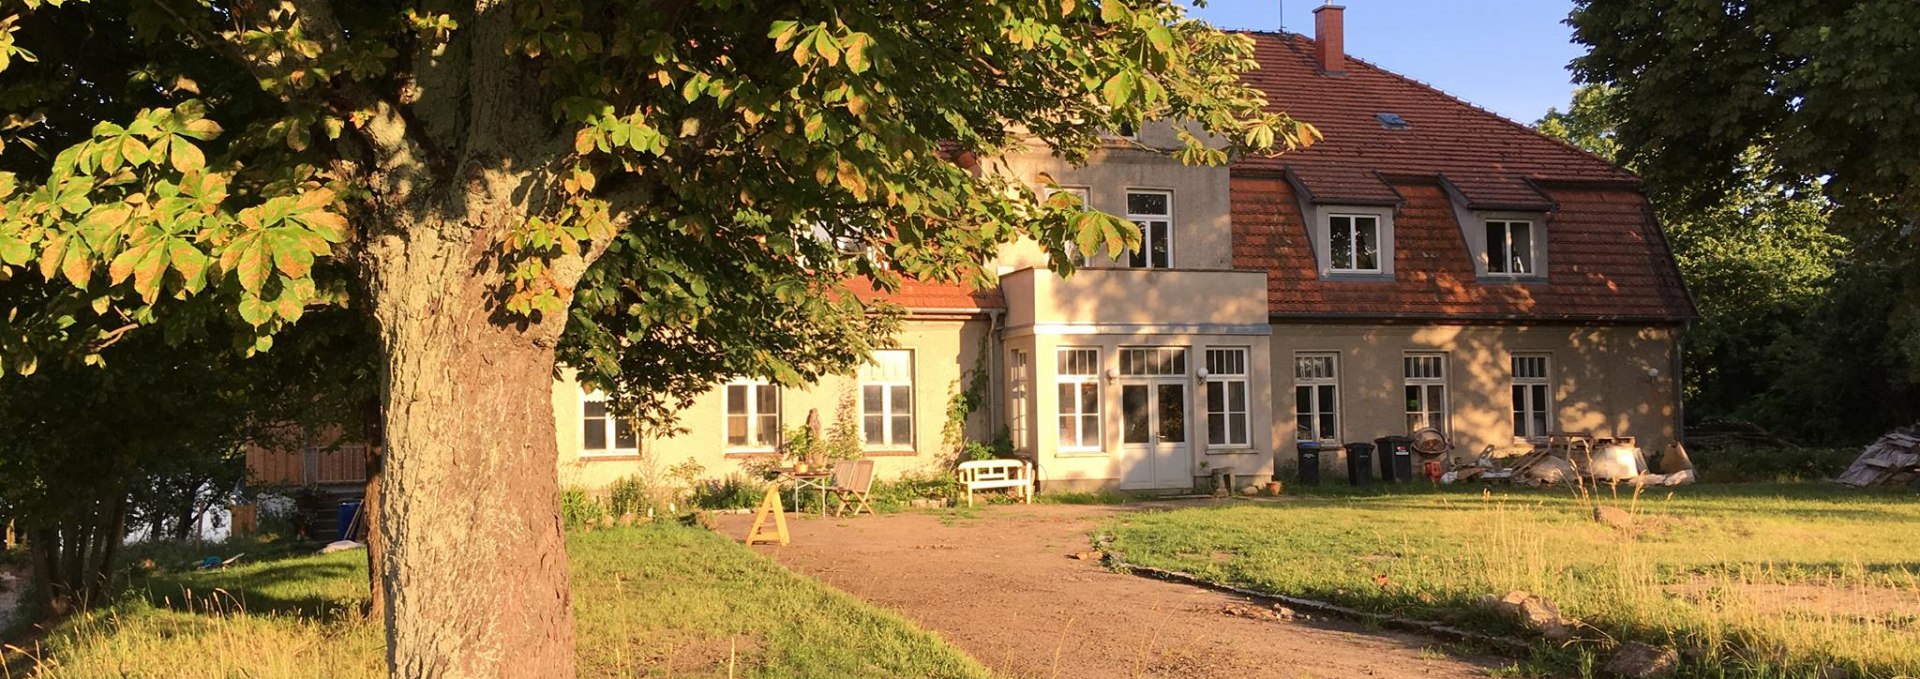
x=1002, y=588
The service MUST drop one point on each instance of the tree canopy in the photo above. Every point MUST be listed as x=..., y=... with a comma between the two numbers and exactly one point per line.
x=1821, y=90
x=656, y=193
x=1798, y=329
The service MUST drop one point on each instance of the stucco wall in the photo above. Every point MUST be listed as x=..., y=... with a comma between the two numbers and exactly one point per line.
x=942, y=352
x=1137, y=296
x=1202, y=237
x=1599, y=380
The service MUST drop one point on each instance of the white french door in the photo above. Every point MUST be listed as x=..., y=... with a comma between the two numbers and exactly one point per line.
x=1154, y=448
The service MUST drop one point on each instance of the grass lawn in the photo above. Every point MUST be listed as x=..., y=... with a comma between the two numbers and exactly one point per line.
x=1749, y=580
x=649, y=601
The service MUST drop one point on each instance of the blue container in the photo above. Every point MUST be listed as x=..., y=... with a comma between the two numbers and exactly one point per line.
x=349, y=511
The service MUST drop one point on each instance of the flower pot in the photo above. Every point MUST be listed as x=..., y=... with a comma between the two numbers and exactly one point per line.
x=1273, y=487
x=800, y=467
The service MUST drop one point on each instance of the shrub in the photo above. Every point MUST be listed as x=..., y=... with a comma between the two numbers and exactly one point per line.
x=578, y=507
x=898, y=494
x=1734, y=464
x=635, y=494
x=736, y=491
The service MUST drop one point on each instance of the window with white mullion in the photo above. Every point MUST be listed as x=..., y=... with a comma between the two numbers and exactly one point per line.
x=1316, y=396
x=886, y=400
x=1019, y=376
x=1510, y=247
x=1077, y=378
x=753, y=416
x=1532, y=400
x=602, y=432
x=1152, y=211
x=1227, y=421
x=1353, y=243
x=1426, y=391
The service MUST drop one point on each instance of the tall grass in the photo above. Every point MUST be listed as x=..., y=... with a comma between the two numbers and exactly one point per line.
x=656, y=600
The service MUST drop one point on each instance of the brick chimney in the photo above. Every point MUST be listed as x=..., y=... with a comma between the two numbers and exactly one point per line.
x=1329, y=38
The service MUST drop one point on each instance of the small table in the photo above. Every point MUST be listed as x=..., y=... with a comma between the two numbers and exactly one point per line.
x=809, y=479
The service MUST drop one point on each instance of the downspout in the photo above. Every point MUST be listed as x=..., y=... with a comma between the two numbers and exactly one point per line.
x=995, y=378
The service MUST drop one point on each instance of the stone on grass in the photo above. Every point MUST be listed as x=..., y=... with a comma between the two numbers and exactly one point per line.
x=1613, y=516
x=1636, y=660
x=1534, y=612
x=1089, y=555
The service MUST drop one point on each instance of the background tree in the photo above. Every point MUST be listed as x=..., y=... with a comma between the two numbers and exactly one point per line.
x=1813, y=94
x=1796, y=331
x=152, y=439
x=656, y=188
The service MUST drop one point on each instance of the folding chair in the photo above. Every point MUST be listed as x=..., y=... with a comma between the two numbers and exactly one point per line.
x=852, y=481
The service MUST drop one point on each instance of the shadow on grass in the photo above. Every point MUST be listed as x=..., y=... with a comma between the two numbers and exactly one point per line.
x=272, y=589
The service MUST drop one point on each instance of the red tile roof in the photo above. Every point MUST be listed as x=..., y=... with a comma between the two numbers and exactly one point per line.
x=1606, y=257
x=921, y=296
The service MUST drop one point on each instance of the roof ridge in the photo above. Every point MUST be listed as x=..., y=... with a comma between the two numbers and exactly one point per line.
x=1416, y=82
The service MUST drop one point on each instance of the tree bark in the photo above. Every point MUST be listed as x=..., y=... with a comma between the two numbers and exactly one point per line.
x=475, y=563
x=376, y=546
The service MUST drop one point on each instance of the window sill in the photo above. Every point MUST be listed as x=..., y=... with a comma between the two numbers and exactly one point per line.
x=908, y=452
x=1080, y=453
x=621, y=456
x=747, y=453
x=1231, y=450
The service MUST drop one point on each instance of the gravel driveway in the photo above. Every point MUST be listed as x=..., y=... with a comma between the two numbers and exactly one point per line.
x=1001, y=586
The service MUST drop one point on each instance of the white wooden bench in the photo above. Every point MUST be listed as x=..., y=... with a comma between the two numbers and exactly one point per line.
x=990, y=474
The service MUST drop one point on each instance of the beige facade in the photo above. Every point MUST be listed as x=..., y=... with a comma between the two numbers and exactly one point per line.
x=1602, y=380
x=1157, y=373
x=942, y=351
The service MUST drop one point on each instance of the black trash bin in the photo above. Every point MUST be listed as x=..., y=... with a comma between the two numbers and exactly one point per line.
x=1359, y=464
x=1309, y=462
x=1396, y=458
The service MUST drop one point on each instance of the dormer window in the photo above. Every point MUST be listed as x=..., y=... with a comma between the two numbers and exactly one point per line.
x=1510, y=248
x=1353, y=243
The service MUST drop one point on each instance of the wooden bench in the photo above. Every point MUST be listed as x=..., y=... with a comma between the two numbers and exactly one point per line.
x=990, y=474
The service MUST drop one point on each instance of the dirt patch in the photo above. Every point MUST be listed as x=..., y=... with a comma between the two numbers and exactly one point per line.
x=1881, y=603
x=740, y=650
x=999, y=587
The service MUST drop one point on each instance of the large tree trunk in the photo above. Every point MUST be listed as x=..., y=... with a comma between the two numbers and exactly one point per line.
x=475, y=562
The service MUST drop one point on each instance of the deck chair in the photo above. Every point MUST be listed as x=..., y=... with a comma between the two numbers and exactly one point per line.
x=852, y=486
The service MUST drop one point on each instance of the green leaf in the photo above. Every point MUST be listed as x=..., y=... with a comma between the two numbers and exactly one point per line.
x=254, y=311
x=77, y=265
x=782, y=33
x=253, y=265
x=190, y=262
x=186, y=157
x=1118, y=89
x=1161, y=37
x=857, y=45
x=1113, y=11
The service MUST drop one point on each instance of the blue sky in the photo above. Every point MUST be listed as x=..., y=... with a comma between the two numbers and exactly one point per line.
x=1509, y=56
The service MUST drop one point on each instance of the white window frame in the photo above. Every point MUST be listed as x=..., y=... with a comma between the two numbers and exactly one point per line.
x=888, y=431
x=1020, y=390
x=1317, y=409
x=1228, y=373
x=1505, y=255
x=1380, y=251
x=1144, y=221
x=610, y=427
x=752, y=414
x=1538, y=397
x=1064, y=409
x=1423, y=370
